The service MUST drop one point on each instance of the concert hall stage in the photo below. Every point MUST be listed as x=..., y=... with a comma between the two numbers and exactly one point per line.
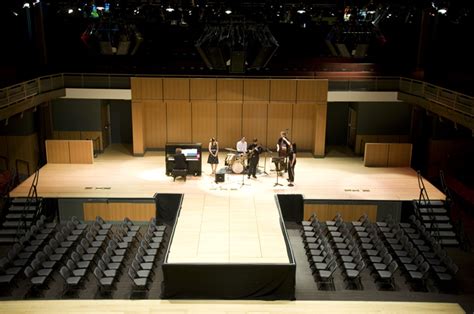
x=229, y=239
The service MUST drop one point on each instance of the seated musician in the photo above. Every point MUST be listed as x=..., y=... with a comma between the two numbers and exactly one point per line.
x=180, y=160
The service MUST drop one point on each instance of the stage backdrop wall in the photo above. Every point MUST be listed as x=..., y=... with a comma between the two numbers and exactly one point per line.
x=194, y=110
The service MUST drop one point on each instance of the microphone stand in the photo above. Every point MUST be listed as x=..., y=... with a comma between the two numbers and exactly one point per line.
x=277, y=175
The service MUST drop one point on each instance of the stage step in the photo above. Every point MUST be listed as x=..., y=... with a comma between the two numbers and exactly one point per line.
x=16, y=223
x=431, y=203
x=443, y=234
x=429, y=225
x=8, y=240
x=449, y=242
x=23, y=200
x=434, y=218
x=10, y=232
x=20, y=216
x=18, y=208
x=433, y=210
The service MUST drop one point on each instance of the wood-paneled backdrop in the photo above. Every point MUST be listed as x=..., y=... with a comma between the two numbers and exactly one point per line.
x=196, y=109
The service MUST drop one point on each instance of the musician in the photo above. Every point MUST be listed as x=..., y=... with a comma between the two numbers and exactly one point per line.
x=283, y=146
x=254, y=155
x=180, y=160
x=213, y=158
x=242, y=145
x=291, y=164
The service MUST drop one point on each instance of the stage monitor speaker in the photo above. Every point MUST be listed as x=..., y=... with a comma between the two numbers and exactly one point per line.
x=220, y=177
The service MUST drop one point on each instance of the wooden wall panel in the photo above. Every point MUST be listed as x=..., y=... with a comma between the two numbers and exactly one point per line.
x=57, y=151
x=349, y=212
x=204, y=121
x=283, y=90
x=137, y=127
x=303, y=125
x=256, y=90
x=155, y=123
x=115, y=212
x=81, y=152
x=175, y=89
x=152, y=88
x=203, y=89
x=229, y=123
x=320, y=130
x=179, y=122
x=25, y=148
x=306, y=91
x=399, y=155
x=92, y=210
x=254, y=121
x=280, y=116
x=70, y=135
x=136, y=87
x=321, y=90
x=361, y=140
x=92, y=135
x=376, y=155
x=230, y=90
x=137, y=212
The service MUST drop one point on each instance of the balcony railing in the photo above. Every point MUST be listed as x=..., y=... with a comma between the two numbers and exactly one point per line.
x=458, y=102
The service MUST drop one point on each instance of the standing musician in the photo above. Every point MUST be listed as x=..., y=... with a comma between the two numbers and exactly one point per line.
x=254, y=155
x=291, y=164
x=283, y=149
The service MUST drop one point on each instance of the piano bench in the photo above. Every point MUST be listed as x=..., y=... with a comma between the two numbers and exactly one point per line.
x=179, y=173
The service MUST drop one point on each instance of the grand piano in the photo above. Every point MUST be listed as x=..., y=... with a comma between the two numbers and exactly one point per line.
x=193, y=153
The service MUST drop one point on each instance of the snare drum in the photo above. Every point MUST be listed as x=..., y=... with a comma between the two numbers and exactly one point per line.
x=238, y=167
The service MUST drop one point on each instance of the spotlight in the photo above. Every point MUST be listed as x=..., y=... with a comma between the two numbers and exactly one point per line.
x=228, y=11
x=301, y=11
x=70, y=11
x=169, y=9
x=442, y=11
x=15, y=13
x=26, y=5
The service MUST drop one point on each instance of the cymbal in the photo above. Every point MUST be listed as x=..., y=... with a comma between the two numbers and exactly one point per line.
x=230, y=149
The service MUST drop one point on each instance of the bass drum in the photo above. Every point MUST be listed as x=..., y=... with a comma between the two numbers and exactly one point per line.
x=237, y=167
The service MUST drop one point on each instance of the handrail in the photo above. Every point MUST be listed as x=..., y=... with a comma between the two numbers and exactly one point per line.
x=426, y=201
x=452, y=100
x=32, y=197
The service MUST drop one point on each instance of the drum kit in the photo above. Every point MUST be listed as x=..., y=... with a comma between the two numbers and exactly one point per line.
x=235, y=161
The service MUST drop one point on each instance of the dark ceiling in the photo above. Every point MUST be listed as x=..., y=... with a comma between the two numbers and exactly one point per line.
x=237, y=37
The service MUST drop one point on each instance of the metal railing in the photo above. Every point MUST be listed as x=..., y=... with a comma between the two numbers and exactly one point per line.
x=450, y=99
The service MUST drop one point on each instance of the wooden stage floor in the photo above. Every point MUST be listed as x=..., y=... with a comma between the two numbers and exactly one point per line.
x=117, y=174
x=183, y=307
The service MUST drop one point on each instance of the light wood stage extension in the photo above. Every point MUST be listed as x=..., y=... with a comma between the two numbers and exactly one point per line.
x=232, y=228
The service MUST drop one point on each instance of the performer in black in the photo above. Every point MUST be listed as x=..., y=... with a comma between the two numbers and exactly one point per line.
x=253, y=152
x=213, y=158
x=291, y=164
x=180, y=160
x=283, y=147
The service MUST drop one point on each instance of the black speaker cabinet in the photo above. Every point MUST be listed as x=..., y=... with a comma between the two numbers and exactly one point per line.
x=220, y=177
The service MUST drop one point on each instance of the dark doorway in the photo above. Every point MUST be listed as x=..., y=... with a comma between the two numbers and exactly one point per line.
x=337, y=121
x=121, y=121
